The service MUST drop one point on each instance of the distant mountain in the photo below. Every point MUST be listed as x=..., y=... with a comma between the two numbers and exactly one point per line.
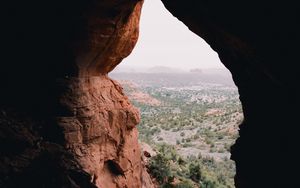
x=216, y=71
x=197, y=70
x=128, y=69
x=154, y=69
x=164, y=69
x=173, y=79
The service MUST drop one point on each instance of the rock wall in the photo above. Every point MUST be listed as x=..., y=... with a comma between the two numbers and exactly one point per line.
x=258, y=42
x=64, y=123
x=100, y=131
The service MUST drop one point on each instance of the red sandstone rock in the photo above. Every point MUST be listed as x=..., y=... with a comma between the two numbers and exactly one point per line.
x=94, y=117
x=102, y=128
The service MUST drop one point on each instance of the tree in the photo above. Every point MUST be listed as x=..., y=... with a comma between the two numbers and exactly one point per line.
x=159, y=168
x=195, y=171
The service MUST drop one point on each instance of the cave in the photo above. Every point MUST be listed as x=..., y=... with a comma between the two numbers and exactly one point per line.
x=114, y=168
x=58, y=103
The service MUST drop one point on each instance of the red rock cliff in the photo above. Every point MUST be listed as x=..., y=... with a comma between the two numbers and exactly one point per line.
x=85, y=114
x=101, y=131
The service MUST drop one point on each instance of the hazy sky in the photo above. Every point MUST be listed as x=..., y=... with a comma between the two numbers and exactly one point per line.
x=166, y=41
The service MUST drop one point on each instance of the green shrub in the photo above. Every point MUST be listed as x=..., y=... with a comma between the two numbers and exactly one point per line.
x=184, y=184
x=196, y=136
x=159, y=168
x=207, y=183
x=195, y=171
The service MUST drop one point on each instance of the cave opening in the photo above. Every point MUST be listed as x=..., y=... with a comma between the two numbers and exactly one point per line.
x=189, y=104
x=54, y=73
x=114, y=168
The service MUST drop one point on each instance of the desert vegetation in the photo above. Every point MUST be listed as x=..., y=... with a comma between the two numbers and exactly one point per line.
x=191, y=126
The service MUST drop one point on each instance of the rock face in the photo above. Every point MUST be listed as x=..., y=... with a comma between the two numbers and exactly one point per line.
x=64, y=123
x=30, y=159
x=100, y=131
x=257, y=41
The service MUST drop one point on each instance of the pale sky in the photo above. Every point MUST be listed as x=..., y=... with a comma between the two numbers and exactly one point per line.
x=166, y=41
